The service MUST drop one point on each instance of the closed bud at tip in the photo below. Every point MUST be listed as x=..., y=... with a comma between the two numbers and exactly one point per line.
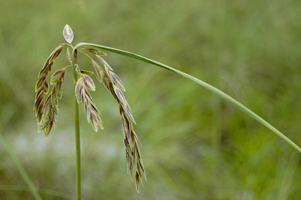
x=68, y=34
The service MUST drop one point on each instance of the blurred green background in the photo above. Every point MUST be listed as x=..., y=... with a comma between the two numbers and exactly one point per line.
x=195, y=145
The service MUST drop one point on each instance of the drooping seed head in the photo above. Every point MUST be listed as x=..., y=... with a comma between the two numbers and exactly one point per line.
x=47, y=111
x=82, y=95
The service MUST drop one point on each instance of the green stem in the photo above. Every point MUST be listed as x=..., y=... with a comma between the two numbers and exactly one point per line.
x=21, y=169
x=202, y=83
x=77, y=131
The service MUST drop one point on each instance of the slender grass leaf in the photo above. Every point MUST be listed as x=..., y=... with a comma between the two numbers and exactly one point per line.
x=202, y=83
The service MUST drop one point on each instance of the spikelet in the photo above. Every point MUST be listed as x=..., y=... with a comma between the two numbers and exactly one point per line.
x=113, y=83
x=42, y=106
x=51, y=104
x=85, y=83
x=68, y=34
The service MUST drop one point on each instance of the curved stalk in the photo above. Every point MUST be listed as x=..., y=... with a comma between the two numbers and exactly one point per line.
x=77, y=130
x=202, y=83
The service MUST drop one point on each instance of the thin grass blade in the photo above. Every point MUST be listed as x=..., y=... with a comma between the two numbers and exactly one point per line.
x=21, y=169
x=202, y=83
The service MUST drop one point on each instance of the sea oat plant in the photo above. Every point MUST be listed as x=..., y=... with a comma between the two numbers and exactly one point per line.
x=46, y=105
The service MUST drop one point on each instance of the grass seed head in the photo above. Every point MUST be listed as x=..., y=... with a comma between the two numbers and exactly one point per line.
x=46, y=109
x=113, y=83
x=85, y=83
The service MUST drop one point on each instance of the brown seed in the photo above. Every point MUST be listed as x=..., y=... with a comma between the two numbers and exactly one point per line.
x=96, y=51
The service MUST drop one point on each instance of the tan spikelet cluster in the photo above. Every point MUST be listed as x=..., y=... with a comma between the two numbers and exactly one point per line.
x=85, y=83
x=46, y=109
x=113, y=83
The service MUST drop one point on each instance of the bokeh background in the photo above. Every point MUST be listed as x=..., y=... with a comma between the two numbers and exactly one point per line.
x=195, y=145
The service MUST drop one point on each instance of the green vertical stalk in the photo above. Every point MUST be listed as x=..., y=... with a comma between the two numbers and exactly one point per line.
x=77, y=131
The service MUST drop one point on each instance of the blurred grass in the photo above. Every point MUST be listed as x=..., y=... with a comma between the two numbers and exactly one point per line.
x=195, y=146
